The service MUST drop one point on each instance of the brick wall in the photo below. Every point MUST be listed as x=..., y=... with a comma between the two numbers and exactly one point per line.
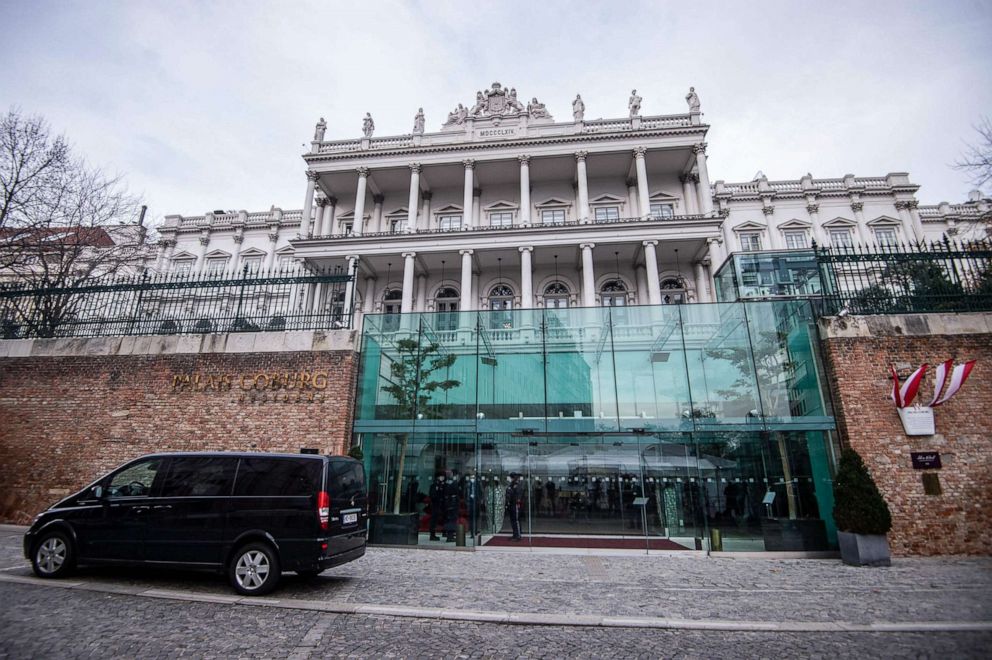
x=857, y=353
x=68, y=417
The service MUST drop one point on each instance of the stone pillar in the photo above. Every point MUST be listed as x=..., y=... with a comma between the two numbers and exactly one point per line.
x=634, y=212
x=329, y=213
x=477, y=206
x=201, y=259
x=688, y=195
x=526, y=278
x=641, y=279
x=414, y=199
x=368, y=301
x=776, y=241
x=363, y=175
x=270, y=258
x=703, y=195
x=421, y=304
x=349, y=289
x=702, y=294
x=467, y=220
x=234, y=267
x=163, y=245
x=425, y=213
x=377, y=201
x=643, y=193
x=717, y=254
x=914, y=214
x=814, y=217
x=651, y=265
x=524, y=189
x=909, y=228
x=467, y=300
x=320, y=218
x=308, y=204
x=588, y=276
x=580, y=172
x=406, y=302
x=859, y=217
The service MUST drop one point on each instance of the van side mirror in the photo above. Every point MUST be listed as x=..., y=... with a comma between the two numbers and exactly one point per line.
x=97, y=492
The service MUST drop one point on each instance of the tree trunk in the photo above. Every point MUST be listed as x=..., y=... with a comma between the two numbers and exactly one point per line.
x=398, y=495
x=790, y=494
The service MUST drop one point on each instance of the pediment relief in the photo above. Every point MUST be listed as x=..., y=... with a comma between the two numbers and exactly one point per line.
x=884, y=220
x=253, y=252
x=450, y=208
x=661, y=195
x=553, y=201
x=403, y=211
x=218, y=254
x=179, y=256
x=840, y=222
x=607, y=199
x=750, y=226
x=501, y=205
x=285, y=251
x=796, y=223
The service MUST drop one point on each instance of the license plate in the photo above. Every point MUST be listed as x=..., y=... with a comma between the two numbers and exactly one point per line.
x=349, y=518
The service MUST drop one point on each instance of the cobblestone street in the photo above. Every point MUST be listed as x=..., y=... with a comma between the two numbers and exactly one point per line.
x=88, y=620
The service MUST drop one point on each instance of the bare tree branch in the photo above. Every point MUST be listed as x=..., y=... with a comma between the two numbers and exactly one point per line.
x=977, y=160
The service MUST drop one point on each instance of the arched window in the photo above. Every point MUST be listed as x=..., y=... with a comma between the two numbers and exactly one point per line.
x=500, y=306
x=391, y=305
x=613, y=293
x=446, y=303
x=672, y=291
x=556, y=296
x=337, y=308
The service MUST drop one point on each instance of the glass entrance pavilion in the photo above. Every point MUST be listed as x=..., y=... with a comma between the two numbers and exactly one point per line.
x=680, y=427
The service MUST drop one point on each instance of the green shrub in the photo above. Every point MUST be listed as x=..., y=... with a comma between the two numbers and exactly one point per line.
x=356, y=453
x=858, y=506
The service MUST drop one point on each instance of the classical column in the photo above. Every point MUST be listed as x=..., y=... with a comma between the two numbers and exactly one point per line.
x=717, y=254
x=201, y=259
x=234, y=266
x=349, y=289
x=702, y=295
x=467, y=301
x=588, y=276
x=163, y=245
x=526, y=278
x=329, y=213
x=859, y=217
x=814, y=217
x=580, y=172
x=643, y=194
x=320, y=218
x=908, y=227
x=270, y=258
x=414, y=200
x=641, y=281
x=421, y=305
x=308, y=203
x=406, y=302
x=914, y=215
x=368, y=301
x=524, y=189
x=776, y=241
x=651, y=265
x=467, y=220
x=377, y=201
x=704, y=197
x=477, y=206
x=632, y=199
x=363, y=175
x=425, y=213
x=689, y=195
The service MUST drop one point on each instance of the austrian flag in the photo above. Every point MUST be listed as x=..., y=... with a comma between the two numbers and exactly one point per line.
x=903, y=396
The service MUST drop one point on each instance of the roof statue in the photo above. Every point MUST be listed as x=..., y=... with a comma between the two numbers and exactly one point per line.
x=634, y=103
x=692, y=99
x=578, y=108
x=319, y=130
x=368, y=126
x=537, y=110
x=418, y=121
x=495, y=102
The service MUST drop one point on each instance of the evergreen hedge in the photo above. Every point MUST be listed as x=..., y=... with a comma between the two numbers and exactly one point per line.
x=858, y=506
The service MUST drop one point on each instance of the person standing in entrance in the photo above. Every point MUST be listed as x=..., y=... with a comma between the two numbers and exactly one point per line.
x=514, y=501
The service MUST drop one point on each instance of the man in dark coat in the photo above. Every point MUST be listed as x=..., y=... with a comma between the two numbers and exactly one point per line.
x=437, y=505
x=514, y=501
x=452, y=499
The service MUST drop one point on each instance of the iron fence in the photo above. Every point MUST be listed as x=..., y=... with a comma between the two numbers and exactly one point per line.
x=176, y=303
x=940, y=276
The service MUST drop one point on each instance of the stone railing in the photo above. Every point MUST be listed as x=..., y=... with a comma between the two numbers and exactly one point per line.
x=796, y=186
x=193, y=221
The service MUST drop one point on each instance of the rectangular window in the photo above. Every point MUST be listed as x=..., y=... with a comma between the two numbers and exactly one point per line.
x=751, y=242
x=183, y=267
x=840, y=237
x=346, y=228
x=216, y=266
x=286, y=263
x=200, y=476
x=501, y=219
x=397, y=225
x=885, y=236
x=553, y=217
x=449, y=222
x=795, y=240
x=262, y=477
x=607, y=213
x=659, y=210
x=253, y=264
x=345, y=479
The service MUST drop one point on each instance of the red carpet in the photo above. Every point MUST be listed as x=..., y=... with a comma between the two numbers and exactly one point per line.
x=584, y=542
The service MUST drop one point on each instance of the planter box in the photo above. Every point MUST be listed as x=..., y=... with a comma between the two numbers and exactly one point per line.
x=393, y=529
x=864, y=549
x=786, y=535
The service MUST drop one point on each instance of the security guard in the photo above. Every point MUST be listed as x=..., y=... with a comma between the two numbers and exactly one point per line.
x=514, y=502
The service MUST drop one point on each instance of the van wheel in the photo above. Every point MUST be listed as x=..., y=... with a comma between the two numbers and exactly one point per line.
x=254, y=569
x=53, y=556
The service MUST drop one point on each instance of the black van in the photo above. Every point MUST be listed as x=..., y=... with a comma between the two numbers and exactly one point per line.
x=252, y=515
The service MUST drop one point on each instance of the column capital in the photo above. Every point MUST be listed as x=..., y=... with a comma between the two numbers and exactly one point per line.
x=378, y=198
x=630, y=183
x=640, y=151
x=581, y=155
x=464, y=252
x=352, y=257
x=469, y=163
x=647, y=243
x=526, y=248
x=312, y=176
x=812, y=208
x=408, y=255
x=273, y=236
x=768, y=210
x=322, y=201
x=362, y=172
x=205, y=240
x=699, y=148
x=426, y=194
x=912, y=204
x=332, y=200
x=238, y=238
x=857, y=206
x=476, y=192
x=586, y=246
x=524, y=159
x=714, y=240
x=415, y=167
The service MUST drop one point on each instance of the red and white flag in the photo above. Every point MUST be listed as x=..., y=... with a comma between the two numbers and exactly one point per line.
x=960, y=375
x=903, y=396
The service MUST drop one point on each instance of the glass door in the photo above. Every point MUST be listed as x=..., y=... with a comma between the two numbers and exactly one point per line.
x=673, y=488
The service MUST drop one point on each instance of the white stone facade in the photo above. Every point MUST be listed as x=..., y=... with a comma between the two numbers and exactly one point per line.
x=504, y=207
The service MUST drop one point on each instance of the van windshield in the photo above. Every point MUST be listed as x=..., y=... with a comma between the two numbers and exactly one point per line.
x=345, y=479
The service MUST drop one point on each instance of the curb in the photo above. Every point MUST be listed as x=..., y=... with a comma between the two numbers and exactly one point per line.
x=515, y=618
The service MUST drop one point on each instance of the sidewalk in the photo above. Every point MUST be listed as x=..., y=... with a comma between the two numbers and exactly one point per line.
x=684, y=591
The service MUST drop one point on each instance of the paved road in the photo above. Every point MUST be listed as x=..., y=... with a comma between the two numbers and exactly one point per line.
x=49, y=622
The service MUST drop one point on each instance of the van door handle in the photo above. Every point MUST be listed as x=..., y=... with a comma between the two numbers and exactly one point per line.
x=162, y=507
x=139, y=509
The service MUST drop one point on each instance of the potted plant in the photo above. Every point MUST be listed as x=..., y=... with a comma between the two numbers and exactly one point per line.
x=862, y=516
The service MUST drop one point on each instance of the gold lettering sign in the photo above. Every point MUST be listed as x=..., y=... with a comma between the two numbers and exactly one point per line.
x=258, y=387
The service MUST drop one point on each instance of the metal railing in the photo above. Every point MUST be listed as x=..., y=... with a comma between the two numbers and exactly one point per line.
x=940, y=276
x=177, y=303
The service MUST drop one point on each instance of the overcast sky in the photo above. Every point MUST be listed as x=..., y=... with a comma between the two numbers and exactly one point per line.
x=208, y=105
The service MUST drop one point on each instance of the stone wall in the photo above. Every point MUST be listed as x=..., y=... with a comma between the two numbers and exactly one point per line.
x=71, y=409
x=857, y=352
